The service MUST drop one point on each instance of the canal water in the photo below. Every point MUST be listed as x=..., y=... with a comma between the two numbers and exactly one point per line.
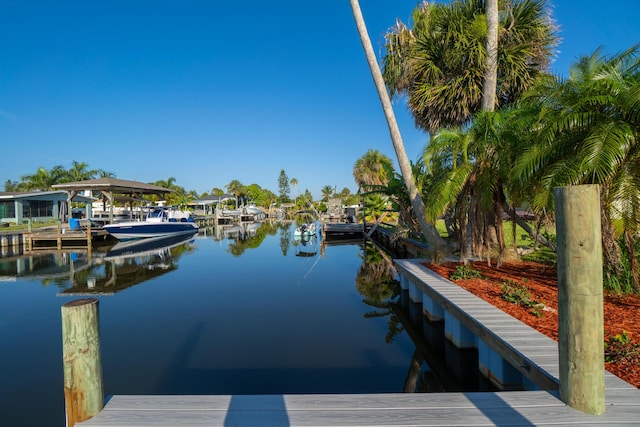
x=243, y=309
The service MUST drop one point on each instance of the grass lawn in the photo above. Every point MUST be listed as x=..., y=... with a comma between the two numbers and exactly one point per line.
x=542, y=254
x=25, y=227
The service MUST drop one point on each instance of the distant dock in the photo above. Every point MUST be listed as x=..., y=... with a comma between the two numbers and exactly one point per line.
x=342, y=230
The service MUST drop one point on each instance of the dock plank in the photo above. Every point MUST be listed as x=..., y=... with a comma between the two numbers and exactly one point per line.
x=477, y=409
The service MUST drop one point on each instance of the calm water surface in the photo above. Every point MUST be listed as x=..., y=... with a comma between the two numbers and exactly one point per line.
x=234, y=310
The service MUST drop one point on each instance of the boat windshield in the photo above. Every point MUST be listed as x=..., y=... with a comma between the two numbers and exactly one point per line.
x=157, y=213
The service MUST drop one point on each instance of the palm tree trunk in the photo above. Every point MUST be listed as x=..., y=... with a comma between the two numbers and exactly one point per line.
x=535, y=235
x=428, y=230
x=491, y=71
x=492, y=219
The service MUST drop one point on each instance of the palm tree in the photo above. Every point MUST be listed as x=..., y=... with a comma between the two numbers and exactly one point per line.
x=168, y=183
x=215, y=191
x=43, y=179
x=372, y=169
x=101, y=173
x=428, y=230
x=79, y=172
x=10, y=186
x=441, y=63
x=588, y=132
x=327, y=192
x=448, y=65
x=469, y=173
x=236, y=188
x=294, y=184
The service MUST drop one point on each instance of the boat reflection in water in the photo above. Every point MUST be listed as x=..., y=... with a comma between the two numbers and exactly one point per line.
x=129, y=263
x=306, y=245
x=105, y=272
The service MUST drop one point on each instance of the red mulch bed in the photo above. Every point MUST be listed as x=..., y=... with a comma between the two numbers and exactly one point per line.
x=621, y=313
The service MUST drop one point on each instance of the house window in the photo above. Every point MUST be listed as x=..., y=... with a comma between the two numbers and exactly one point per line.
x=7, y=209
x=37, y=208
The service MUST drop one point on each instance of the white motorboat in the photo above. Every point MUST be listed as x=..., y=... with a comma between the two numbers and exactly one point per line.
x=252, y=210
x=159, y=222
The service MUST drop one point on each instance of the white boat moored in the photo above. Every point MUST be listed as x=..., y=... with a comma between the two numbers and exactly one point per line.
x=159, y=222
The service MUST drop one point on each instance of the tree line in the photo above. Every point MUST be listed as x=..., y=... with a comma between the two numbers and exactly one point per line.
x=43, y=180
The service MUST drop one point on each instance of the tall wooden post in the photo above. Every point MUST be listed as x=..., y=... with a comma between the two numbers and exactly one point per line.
x=580, y=298
x=89, y=239
x=59, y=238
x=83, y=390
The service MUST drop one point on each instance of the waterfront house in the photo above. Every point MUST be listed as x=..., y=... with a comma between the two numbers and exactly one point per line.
x=43, y=206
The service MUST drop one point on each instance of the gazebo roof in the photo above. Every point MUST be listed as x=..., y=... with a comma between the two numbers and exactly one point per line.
x=113, y=185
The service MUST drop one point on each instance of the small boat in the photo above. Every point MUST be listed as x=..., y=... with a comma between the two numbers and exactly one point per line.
x=159, y=222
x=252, y=210
x=306, y=229
x=231, y=212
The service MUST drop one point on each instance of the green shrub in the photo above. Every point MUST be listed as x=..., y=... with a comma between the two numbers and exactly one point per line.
x=465, y=272
x=542, y=255
x=620, y=347
x=519, y=294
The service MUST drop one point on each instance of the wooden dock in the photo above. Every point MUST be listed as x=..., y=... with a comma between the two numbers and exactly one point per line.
x=532, y=353
x=533, y=408
x=64, y=238
x=342, y=230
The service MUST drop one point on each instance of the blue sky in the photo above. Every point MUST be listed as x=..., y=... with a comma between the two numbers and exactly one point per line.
x=211, y=91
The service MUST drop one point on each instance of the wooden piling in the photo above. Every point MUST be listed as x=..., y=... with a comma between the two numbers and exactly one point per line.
x=89, y=239
x=580, y=298
x=83, y=389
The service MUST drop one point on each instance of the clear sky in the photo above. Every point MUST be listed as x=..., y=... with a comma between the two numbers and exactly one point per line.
x=212, y=91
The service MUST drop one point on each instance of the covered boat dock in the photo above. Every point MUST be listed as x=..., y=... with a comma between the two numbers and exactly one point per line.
x=112, y=190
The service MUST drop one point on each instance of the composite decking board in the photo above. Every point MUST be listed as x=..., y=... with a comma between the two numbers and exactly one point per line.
x=518, y=335
x=622, y=395
x=534, y=347
x=477, y=409
x=612, y=383
x=382, y=401
x=520, y=342
x=408, y=418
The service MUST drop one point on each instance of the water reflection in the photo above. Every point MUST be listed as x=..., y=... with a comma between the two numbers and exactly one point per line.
x=243, y=235
x=129, y=263
x=45, y=266
x=110, y=269
x=306, y=246
x=436, y=364
x=107, y=271
x=269, y=322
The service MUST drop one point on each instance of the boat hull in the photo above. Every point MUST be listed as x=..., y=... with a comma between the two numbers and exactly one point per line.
x=141, y=230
